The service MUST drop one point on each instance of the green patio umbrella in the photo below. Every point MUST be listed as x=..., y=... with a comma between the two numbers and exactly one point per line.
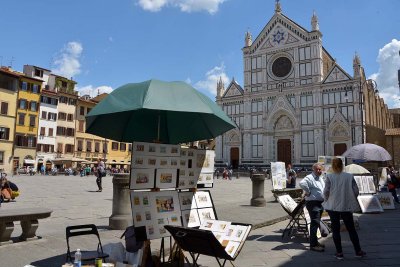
x=166, y=112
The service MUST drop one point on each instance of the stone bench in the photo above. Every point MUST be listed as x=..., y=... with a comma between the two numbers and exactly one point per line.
x=29, y=222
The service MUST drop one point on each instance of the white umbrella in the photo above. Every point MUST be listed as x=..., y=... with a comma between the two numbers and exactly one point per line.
x=367, y=152
x=355, y=169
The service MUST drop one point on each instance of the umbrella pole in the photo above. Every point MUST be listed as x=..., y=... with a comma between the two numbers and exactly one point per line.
x=158, y=129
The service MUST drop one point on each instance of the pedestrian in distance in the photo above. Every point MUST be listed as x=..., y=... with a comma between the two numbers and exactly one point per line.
x=392, y=183
x=101, y=170
x=313, y=187
x=340, y=196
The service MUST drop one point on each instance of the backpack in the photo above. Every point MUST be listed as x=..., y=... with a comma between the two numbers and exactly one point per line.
x=131, y=245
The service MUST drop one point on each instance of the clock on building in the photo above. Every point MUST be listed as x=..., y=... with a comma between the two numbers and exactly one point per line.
x=281, y=67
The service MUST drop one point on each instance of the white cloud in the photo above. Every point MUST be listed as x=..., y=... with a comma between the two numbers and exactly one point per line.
x=67, y=61
x=93, y=91
x=152, y=5
x=211, y=6
x=386, y=77
x=209, y=84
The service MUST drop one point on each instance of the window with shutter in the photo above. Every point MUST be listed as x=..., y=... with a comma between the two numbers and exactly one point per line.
x=1, y=157
x=80, y=126
x=96, y=147
x=4, y=133
x=104, y=147
x=4, y=108
x=80, y=145
x=60, y=148
x=122, y=146
x=21, y=118
x=89, y=146
x=51, y=132
x=44, y=115
x=114, y=146
x=42, y=131
x=32, y=121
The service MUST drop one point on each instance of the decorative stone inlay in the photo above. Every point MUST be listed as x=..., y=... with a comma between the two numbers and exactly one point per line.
x=283, y=123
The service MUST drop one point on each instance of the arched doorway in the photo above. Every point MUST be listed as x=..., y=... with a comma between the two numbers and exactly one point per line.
x=235, y=157
x=339, y=149
x=284, y=150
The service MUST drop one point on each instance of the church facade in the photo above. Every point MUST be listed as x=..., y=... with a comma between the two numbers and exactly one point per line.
x=297, y=102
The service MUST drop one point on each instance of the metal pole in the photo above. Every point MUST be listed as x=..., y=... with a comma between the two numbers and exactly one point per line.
x=361, y=94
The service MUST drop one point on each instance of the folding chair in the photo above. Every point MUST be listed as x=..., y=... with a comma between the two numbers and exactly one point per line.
x=80, y=230
x=298, y=223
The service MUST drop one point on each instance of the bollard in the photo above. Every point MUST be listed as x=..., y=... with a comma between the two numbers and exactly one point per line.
x=121, y=216
x=258, y=199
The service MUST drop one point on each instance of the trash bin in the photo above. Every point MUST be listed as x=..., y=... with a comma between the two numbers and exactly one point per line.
x=257, y=199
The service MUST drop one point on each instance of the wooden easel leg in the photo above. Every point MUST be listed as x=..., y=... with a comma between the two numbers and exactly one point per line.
x=146, y=252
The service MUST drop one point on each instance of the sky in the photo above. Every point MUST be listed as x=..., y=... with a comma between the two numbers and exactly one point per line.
x=105, y=44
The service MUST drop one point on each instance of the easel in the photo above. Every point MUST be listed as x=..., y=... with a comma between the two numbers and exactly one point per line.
x=295, y=225
x=200, y=242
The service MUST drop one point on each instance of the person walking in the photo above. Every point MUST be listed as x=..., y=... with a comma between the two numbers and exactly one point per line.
x=101, y=170
x=313, y=186
x=340, y=196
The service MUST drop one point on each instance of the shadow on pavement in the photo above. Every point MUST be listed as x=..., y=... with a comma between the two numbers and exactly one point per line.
x=58, y=260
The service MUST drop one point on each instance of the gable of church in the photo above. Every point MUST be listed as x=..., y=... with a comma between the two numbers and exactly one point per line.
x=233, y=90
x=336, y=74
x=278, y=32
x=339, y=126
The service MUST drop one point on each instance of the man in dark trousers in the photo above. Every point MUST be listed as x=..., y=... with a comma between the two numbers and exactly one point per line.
x=313, y=185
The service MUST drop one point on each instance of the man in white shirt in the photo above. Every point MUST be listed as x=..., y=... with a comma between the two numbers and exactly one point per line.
x=313, y=186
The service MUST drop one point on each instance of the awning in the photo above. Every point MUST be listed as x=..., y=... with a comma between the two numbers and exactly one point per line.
x=29, y=161
x=73, y=159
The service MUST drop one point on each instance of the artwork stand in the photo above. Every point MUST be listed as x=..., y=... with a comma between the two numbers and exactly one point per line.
x=200, y=242
x=298, y=222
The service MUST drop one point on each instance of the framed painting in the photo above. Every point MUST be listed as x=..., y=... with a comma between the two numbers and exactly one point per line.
x=205, y=160
x=138, y=161
x=206, y=214
x=203, y=199
x=139, y=148
x=369, y=180
x=186, y=200
x=369, y=204
x=166, y=178
x=206, y=178
x=190, y=218
x=359, y=184
x=287, y=203
x=142, y=179
x=187, y=182
x=386, y=200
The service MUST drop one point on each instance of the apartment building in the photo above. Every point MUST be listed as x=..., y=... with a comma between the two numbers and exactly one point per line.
x=66, y=107
x=8, y=103
x=26, y=128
